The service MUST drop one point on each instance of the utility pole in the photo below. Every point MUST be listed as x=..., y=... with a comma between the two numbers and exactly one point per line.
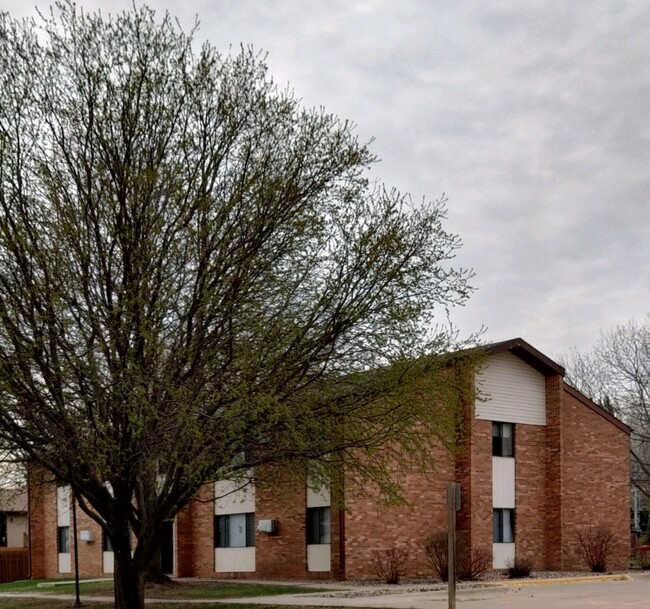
x=453, y=505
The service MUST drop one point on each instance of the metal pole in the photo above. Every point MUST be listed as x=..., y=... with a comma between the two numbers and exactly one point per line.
x=76, y=553
x=453, y=500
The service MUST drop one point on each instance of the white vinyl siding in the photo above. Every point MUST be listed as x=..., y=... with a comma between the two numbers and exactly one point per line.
x=503, y=482
x=502, y=554
x=510, y=391
x=233, y=497
x=235, y=560
x=318, y=557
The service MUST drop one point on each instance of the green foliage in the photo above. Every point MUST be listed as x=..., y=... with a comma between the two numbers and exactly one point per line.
x=197, y=280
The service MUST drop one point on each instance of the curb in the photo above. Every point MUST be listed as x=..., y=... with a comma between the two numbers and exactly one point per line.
x=560, y=580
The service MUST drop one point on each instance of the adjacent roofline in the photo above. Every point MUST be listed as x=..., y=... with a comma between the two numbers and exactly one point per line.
x=596, y=408
x=527, y=353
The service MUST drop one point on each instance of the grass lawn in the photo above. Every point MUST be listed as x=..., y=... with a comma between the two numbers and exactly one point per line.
x=176, y=590
x=39, y=603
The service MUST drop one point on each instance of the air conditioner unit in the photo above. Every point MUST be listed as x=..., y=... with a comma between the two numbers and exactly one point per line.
x=267, y=526
x=86, y=536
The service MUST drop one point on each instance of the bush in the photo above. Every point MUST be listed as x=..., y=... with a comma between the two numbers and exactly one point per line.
x=519, y=567
x=595, y=546
x=389, y=564
x=470, y=564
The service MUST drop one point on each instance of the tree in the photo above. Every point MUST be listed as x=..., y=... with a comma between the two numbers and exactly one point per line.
x=617, y=375
x=197, y=280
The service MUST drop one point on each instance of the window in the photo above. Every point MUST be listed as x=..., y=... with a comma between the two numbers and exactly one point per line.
x=503, y=525
x=503, y=440
x=3, y=530
x=107, y=544
x=63, y=540
x=234, y=530
x=318, y=525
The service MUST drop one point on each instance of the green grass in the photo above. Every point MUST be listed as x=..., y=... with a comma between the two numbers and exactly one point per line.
x=180, y=591
x=39, y=603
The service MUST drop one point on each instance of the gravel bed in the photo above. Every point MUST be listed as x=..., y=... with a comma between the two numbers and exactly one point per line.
x=367, y=588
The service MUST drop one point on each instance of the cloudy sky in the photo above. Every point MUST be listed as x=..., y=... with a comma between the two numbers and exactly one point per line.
x=533, y=117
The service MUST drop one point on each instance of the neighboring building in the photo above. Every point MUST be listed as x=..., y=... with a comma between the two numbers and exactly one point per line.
x=538, y=463
x=13, y=518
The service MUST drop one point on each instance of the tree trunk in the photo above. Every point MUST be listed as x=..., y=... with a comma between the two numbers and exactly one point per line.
x=129, y=585
x=154, y=572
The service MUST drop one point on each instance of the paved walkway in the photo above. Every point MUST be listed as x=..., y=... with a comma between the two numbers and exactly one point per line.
x=607, y=592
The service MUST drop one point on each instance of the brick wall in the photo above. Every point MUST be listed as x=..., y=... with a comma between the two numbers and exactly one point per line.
x=371, y=527
x=595, y=480
x=530, y=494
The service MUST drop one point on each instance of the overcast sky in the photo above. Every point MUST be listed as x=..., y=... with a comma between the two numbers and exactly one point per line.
x=533, y=117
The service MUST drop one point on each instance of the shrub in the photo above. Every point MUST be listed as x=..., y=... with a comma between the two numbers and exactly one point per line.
x=519, y=567
x=470, y=564
x=389, y=564
x=595, y=546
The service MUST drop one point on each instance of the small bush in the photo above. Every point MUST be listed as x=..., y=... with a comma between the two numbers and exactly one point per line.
x=519, y=567
x=595, y=546
x=470, y=564
x=389, y=564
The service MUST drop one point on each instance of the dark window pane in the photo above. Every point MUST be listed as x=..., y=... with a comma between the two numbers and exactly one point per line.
x=63, y=540
x=318, y=525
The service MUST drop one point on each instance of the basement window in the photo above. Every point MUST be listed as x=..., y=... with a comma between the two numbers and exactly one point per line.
x=503, y=440
x=318, y=525
x=234, y=530
x=503, y=525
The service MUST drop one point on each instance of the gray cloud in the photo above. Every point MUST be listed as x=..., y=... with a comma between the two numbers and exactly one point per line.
x=531, y=115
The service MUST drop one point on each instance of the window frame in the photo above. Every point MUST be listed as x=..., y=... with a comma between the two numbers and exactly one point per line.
x=107, y=544
x=498, y=525
x=222, y=530
x=63, y=540
x=318, y=525
x=503, y=445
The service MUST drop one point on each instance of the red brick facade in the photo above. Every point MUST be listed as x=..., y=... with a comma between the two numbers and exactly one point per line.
x=571, y=473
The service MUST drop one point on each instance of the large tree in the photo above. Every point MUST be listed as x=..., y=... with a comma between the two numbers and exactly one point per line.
x=616, y=373
x=197, y=279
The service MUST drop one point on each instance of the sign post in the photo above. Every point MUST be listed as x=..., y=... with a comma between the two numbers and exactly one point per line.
x=453, y=505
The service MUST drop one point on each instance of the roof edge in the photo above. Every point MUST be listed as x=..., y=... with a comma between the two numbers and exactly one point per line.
x=572, y=391
x=526, y=352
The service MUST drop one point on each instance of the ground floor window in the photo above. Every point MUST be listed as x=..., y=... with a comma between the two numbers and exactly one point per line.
x=3, y=530
x=107, y=544
x=234, y=530
x=318, y=525
x=503, y=525
x=63, y=540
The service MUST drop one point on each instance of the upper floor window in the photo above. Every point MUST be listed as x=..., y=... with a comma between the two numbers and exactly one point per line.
x=503, y=440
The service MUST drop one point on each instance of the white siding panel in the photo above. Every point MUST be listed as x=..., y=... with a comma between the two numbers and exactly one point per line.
x=318, y=497
x=231, y=499
x=64, y=563
x=63, y=506
x=239, y=560
x=502, y=554
x=318, y=557
x=503, y=482
x=108, y=562
x=512, y=391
